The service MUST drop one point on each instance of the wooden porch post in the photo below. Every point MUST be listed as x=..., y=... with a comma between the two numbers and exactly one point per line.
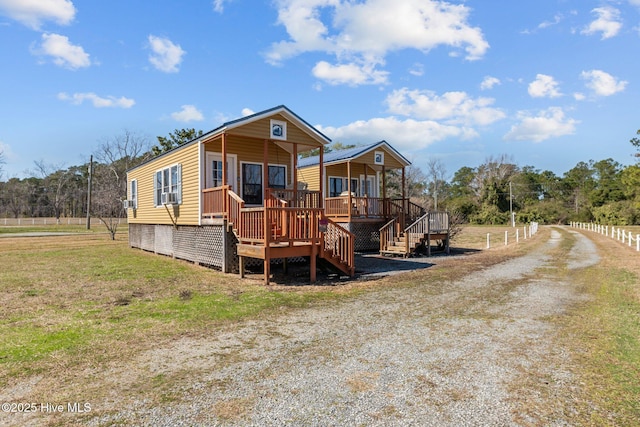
x=405, y=203
x=312, y=262
x=384, y=192
x=225, y=200
x=224, y=159
x=295, y=174
x=366, y=193
x=349, y=201
x=321, y=187
x=265, y=172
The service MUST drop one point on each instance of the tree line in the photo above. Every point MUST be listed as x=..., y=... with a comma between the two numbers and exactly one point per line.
x=604, y=191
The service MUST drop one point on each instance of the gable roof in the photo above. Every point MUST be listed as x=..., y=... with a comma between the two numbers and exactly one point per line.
x=339, y=156
x=280, y=109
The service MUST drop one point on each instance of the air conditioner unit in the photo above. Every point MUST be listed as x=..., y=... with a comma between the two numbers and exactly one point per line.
x=128, y=204
x=169, y=198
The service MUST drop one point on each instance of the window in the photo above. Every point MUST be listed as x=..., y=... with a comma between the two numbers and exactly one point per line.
x=335, y=186
x=216, y=172
x=338, y=185
x=252, y=183
x=354, y=186
x=133, y=192
x=168, y=180
x=277, y=177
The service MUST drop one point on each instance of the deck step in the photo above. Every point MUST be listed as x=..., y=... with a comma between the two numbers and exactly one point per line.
x=399, y=245
x=337, y=263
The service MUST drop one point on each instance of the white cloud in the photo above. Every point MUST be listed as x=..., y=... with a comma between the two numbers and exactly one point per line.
x=64, y=53
x=451, y=107
x=416, y=70
x=247, y=112
x=189, y=113
x=33, y=13
x=578, y=96
x=6, y=151
x=361, y=34
x=544, y=86
x=489, y=82
x=608, y=22
x=409, y=135
x=549, y=123
x=97, y=101
x=602, y=83
x=218, y=5
x=166, y=56
x=556, y=20
x=350, y=74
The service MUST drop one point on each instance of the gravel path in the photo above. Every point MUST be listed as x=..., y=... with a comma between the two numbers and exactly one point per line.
x=451, y=354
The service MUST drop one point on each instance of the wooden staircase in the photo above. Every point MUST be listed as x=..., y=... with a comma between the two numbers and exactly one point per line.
x=338, y=248
x=430, y=227
x=404, y=244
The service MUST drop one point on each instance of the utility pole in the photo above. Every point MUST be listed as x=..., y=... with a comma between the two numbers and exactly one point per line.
x=89, y=193
x=513, y=219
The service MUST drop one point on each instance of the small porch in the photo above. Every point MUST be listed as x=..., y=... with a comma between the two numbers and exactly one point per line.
x=349, y=208
x=290, y=224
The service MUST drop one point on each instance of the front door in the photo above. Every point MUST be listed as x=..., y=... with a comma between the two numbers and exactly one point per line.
x=214, y=171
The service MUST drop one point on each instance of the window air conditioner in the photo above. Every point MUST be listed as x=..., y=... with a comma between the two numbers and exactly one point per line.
x=169, y=198
x=129, y=204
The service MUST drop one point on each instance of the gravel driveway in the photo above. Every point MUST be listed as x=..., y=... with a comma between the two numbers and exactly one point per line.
x=451, y=354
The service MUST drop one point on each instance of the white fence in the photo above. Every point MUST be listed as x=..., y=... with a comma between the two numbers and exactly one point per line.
x=25, y=222
x=527, y=232
x=617, y=233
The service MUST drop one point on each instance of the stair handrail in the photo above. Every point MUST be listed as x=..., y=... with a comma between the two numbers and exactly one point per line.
x=234, y=204
x=341, y=243
x=415, y=226
x=387, y=233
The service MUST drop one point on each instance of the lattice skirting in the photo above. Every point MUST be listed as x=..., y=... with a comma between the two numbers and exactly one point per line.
x=367, y=234
x=211, y=245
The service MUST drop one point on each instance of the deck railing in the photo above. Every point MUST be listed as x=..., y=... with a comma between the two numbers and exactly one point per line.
x=213, y=201
x=297, y=198
x=372, y=207
x=360, y=206
x=222, y=202
x=438, y=222
x=430, y=222
x=283, y=224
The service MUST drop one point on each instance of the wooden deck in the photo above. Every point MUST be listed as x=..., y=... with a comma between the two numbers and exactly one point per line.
x=278, y=230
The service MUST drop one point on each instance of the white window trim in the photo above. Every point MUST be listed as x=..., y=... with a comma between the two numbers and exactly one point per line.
x=344, y=180
x=231, y=158
x=133, y=196
x=241, y=175
x=157, y=203
x=374, y=185
x=286, y=173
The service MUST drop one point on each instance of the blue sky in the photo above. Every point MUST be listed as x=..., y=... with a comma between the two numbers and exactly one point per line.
x=548, y=83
